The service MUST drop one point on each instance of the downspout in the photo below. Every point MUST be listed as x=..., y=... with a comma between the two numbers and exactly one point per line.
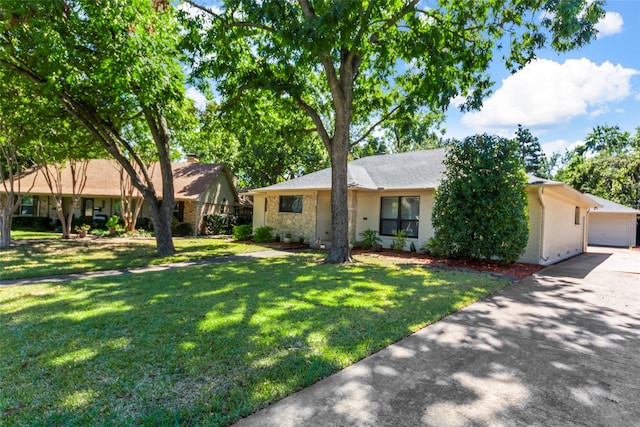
x=541, y=251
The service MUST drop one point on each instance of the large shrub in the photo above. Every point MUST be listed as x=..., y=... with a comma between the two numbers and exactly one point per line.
x=481, y=204
x=263, y=234
x=242, y=232
x=219, y=224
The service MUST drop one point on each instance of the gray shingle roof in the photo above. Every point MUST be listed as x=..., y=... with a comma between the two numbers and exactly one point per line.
x=611, y=207
x=412, y=170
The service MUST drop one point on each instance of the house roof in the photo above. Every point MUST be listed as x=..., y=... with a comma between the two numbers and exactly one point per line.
x=400, y=171
x=415, y=170
x=190, y=180
x=611, y=207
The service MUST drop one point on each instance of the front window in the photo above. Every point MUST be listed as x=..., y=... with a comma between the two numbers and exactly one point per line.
x=399, y=214
x=28, y=206
x=291, y=204
x=178, y=211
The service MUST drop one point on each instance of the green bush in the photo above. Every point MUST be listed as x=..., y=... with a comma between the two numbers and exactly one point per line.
x=369, y=239
x=242, y=232
x=219, y=224
x=263, y=234
x=31, y=223
x=480, y=207
x=399, y=241
x=113, y=223
x=184, y=229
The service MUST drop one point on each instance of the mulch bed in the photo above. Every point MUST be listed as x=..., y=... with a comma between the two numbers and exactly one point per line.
x=516, y=270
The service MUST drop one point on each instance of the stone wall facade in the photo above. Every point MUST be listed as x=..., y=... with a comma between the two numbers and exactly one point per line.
x=301, y=224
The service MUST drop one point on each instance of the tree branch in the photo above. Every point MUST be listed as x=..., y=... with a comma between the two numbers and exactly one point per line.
x=229, y=23
x=375, y=125
x=317, y=120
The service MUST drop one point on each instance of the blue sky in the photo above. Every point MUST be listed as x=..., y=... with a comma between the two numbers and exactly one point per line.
x=562, y=97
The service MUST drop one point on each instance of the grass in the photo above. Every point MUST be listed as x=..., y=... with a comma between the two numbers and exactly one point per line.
x=65, y=256
x=30, y=235
x=206, y=345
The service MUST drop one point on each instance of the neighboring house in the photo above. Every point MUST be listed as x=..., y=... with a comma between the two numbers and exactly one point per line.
x=200, y=189
x=396, y=192
x=612, y=224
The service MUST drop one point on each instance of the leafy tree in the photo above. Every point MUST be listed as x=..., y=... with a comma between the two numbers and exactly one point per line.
x=535, y=162
x=19, y=119
x=411, y=132
x=481, y=204
x=372, y=147
x=262, y=139
x=106, y=63
x=353, y=65
x=607, y=165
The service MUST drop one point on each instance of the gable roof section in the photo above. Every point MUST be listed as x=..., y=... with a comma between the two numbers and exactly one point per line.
x=611, y=207
x=412, y=170
x=190, y=180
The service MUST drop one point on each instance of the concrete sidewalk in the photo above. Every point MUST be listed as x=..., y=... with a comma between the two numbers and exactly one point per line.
x=137, y=270
x=556, y=349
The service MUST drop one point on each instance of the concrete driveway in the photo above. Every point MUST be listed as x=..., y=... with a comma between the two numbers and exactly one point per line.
x=556, y=349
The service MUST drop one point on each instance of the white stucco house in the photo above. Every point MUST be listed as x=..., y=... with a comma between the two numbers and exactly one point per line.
x=612, y=224
x=396, y=192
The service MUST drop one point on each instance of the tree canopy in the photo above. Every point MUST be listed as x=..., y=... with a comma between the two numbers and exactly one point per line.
x=607, y=165
x=108, y=63
x=351, y=65
x=262, y=139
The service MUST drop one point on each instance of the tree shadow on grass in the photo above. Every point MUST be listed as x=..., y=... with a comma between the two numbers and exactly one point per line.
x=549, y=350
x=206, y=344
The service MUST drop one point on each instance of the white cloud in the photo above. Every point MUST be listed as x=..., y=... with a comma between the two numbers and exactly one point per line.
x=637, y=97
x=559, y=146
x=547, y=93
x=198, y=97
x=610, y=24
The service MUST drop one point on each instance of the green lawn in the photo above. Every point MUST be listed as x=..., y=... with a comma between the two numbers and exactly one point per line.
x=60, y=256
x=30, y=235
x=206, y=345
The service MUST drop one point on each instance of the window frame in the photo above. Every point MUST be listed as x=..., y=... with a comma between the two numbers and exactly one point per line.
x=33, y=205
x=399, y=220
x=296, y=200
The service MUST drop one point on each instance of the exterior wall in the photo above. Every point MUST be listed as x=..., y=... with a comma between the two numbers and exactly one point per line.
x=562, y=237
x=301, y=224
x=220, y=197
x=368, y=215
x=102, y=206
x=608, y=229
x=324, y=230
x=259, y=204
x=531, y=253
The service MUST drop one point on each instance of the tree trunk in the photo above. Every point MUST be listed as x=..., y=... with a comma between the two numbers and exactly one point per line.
x=163, y=208
x=340, y=251
x=61, y=217
x=161, y=227
x=6, y=217
x=342, y=97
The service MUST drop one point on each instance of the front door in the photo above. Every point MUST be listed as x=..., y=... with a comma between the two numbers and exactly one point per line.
x=87, y=207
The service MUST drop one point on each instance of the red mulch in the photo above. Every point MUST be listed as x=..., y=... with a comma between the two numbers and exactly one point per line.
x=517, y=270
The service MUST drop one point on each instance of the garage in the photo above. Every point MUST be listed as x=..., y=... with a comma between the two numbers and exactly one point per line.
x=612, y=224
